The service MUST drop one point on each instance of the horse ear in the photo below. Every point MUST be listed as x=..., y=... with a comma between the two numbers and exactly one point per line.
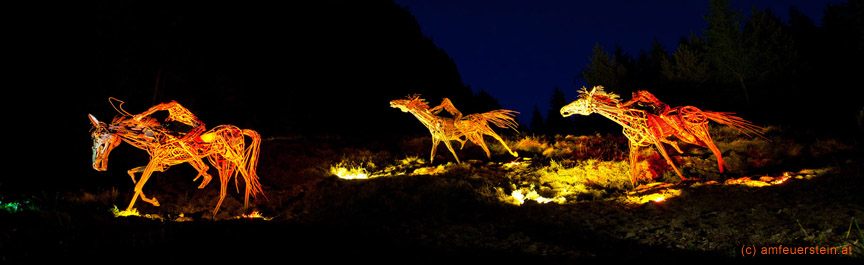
x=93, y=120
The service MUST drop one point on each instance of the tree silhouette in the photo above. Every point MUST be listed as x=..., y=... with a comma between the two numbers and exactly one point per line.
x=688, y=67
x=604, y=70
x=772, y=55
x=726, y=52
x=757, y=65
x=538, y=126
x=649, y=66
x=555, y=123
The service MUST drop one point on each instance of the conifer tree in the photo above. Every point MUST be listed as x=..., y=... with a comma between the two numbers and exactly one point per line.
x=604, y=70
x=537, y=124
x=726, y=52
x=555, y=123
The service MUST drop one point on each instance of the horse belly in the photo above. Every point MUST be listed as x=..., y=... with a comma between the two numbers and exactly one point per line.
x=681, y=130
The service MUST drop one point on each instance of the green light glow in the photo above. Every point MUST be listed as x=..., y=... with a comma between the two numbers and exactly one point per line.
x=13, y=206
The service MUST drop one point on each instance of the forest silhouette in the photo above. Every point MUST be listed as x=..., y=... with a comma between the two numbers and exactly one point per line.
x=331, y=67
x=792, y=73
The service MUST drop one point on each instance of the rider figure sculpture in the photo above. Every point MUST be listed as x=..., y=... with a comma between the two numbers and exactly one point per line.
x=177, y=112
x=190, y=141
x=656, y=107
x=644, y=98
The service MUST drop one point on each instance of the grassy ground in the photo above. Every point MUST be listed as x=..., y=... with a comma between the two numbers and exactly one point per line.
x=566, y=199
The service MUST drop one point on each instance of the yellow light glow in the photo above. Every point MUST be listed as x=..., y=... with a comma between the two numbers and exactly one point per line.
x=208, y=137
x=782, y=179
x=349, y=173
x=430, y=170
x=518, y=198
x=254, y=215
x=654, y=192
x=182, y=218
x=514, y=164
x=134, y=212
x=517, y=194
x=124, y=213
x=761, y=182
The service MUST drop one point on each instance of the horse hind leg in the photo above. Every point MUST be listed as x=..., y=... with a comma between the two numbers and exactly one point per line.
x=706, y=139
x=716, y=152
x=248, y=177
x=226, y=169
x=477, y=139
x=485, y=148
x=700, y=131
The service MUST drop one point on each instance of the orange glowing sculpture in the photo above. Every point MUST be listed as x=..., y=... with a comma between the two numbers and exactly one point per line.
x=472, y=126
x=224, y=146
x=654, y=126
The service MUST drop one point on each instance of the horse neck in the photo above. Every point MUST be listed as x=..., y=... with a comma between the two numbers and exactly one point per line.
x=425, y=116
x=615, y=113
x=134, y=138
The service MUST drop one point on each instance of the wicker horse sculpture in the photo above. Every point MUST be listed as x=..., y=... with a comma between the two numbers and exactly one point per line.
x=224, y=146
x=471, y=127
x=656, y=125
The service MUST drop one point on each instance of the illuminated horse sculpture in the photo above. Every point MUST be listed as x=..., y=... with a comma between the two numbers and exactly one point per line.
x=472, y=126
x=689, y=124
x=224, y=146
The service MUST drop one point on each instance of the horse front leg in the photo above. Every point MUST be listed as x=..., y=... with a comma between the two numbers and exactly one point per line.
x=450, y=147
x=634, y=155
x=154, y=165
x=673, y=143
x=497, y=137
x=435, y=142
x=662, y=151
x=202, y=168
x=132, y=172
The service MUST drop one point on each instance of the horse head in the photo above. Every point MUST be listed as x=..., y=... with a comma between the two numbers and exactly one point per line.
x=412, y=103
x=103, y=142
x=583, y=105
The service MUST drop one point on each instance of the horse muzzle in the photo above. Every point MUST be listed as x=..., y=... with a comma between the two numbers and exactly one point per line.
x=567, y=113
x=100, y=165
x=100, y=157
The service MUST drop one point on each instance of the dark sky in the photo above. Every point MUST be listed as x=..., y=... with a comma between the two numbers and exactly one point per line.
x=519, y=51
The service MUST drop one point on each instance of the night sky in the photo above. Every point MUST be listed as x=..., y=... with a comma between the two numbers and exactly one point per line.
x=519, y=51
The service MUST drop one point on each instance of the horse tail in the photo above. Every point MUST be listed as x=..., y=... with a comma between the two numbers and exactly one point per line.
x=502, y=118
x=744, y=126
x=250, y=164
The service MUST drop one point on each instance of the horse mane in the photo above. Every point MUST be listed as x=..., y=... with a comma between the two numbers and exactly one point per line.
x=149, y=122
x=415, y=102
x=600, y=95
